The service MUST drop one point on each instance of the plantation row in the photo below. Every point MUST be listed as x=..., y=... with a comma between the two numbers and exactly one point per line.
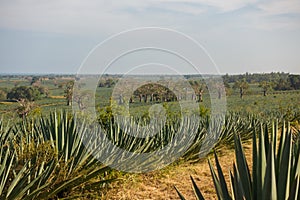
x=45, y=158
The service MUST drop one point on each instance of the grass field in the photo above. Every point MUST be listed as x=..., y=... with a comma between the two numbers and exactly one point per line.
x=274, y=104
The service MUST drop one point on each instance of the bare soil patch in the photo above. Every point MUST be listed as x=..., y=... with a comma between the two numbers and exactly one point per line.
x=160, y=184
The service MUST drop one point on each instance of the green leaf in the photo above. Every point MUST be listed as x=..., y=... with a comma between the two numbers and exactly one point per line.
x=261, y=163
x=269, y=188
x=294, y=192
x=216, y=181
x=255, y=176
x=75, y=181
x=284, y=169
x=243, y=168
x=237, y=185
x=20, y=176
x=222, y=179
x=179, y=194
x=197, y=191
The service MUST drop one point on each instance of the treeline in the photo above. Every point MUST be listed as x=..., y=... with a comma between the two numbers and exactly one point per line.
x=41, y=76
x=278, y=80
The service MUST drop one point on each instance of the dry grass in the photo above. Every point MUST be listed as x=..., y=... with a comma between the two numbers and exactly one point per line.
x=7, y=102
x=160, y=184
x=57, y=97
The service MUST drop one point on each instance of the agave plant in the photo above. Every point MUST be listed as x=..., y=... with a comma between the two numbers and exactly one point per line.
x=224, y=129
x=46, y=159
x=275, y=169
x=16, y=178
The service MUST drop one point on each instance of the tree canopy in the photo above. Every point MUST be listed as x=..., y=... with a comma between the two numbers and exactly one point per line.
x=24, y=92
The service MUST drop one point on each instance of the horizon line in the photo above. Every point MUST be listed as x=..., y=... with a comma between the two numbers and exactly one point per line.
x=120, y=74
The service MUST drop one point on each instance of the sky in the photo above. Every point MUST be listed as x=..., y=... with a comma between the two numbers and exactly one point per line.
x=42, y=36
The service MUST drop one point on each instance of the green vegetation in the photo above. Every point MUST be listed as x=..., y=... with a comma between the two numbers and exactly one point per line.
x=25, y=93
x=45, y=158
x=42, y=155
x=275, y=168
x=242, y=85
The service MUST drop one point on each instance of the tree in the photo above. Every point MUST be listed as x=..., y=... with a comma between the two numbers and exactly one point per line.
x=69, y=92
x=198, y=89
x=43, y=90
x=283, y=84
x=107, y=82
x=24, y=108
x=16, y=83
x=60, y=85
x=266, y=86
x=82, y=98
x=2, y=94
x=24, y=92
x=242, y=85
x=221, y=90
x=35, y=80
x=228, y=89
x=294, y=81
x=200, y=95
x=153, y=92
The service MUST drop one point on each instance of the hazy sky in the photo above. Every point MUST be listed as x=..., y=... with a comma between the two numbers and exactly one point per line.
x=54, y=36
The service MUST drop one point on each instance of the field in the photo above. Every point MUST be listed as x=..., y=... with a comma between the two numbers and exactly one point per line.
x=275, y=102
x=42, y=155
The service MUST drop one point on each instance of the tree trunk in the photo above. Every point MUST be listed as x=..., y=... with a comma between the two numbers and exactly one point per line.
x=219, y=93
x=241, y=93
x=120, y=99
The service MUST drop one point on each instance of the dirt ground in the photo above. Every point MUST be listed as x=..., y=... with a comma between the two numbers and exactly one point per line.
x=160, y=184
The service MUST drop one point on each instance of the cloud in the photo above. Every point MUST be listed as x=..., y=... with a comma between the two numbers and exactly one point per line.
x=274, y=15
x=64, y=16
x=220, y=6
x=93, y=16
x=239, y=32
x=278, y=7
x=180, y=8
x=106, y=17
